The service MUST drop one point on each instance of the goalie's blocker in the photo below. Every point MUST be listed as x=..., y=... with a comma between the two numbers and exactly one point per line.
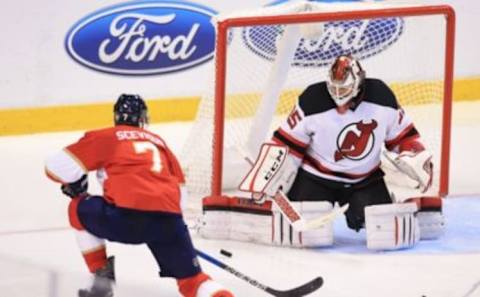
x=272, y=171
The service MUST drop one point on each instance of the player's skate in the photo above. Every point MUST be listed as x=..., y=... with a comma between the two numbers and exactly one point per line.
x=102, y=283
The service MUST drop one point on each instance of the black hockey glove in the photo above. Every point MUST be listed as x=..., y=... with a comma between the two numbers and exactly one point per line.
x=76, y=188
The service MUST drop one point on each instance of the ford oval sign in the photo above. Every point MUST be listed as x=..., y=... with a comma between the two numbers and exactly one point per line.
x=362, y=38
x=143, y=38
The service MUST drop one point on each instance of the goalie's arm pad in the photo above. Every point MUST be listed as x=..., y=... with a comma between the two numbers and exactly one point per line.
x=273, y=170
x=296, y=147
x=411, y=145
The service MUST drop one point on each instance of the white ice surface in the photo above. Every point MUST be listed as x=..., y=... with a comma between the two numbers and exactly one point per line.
x=39, y=256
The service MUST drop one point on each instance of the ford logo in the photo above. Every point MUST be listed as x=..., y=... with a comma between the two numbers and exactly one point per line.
x=363, y=38
x=143, y=38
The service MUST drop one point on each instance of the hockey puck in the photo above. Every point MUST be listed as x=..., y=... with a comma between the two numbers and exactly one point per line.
x=225, y=253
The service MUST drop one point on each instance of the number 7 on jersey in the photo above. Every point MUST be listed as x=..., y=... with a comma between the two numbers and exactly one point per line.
x=146, y=146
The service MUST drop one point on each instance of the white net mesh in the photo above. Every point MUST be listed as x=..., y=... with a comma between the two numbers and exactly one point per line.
x=268, y=66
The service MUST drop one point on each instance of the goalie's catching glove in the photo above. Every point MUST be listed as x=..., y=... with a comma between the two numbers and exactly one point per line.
x=77, y=188
x=418, y=166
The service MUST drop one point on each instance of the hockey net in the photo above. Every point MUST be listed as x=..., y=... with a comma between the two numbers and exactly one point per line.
x=265, y=58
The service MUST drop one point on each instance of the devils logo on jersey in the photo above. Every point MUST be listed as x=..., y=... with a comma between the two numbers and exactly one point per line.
x=355, y=141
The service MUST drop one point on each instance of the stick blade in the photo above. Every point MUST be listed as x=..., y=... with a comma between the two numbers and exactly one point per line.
x=318, y=222
x=302, y=290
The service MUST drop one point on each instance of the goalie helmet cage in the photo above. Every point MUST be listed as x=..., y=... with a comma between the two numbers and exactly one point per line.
x=260, y=54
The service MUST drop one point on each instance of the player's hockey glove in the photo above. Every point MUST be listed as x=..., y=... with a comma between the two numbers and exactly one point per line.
x=77, y=188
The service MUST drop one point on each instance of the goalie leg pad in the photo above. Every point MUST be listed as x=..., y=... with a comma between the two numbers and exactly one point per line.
x=214, y=224
x=235, y=225
x=392, y=226
x=283, y=233
x=243, y=220
x=237, y=219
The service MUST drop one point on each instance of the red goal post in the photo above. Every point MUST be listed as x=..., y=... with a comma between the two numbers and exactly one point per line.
x=222, y=62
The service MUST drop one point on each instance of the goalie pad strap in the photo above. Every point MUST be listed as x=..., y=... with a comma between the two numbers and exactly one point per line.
x=430, y=204
x=227, y=203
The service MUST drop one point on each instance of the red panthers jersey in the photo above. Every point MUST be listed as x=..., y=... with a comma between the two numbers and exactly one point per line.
x=139, y=171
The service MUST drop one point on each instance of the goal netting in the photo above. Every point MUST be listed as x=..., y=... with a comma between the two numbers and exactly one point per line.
x=265, y=58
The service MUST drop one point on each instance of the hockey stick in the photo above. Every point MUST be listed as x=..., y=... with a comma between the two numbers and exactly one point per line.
x=302, y=290
x=320, y=221
x=297, y=221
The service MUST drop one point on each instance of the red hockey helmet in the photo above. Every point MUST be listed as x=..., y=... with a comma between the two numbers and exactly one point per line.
x=345, y=79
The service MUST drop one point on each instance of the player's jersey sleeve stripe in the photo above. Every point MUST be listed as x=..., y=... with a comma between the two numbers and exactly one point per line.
x=53, y=176
x=309, y=160
x=297, y=147
x=409, y=133
x=293, y=152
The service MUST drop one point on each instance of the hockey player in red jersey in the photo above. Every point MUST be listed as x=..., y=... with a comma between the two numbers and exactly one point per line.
x=141, y=202
x=335, y=135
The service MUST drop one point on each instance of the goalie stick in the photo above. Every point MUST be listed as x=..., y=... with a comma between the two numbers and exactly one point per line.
x=297, y=221
x=302, y=290
x=291, y=214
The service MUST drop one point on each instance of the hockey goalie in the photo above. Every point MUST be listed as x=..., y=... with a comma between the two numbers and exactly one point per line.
x=327, y=155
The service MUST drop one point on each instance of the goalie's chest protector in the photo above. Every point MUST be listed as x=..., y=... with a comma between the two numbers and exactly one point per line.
x=345, y=147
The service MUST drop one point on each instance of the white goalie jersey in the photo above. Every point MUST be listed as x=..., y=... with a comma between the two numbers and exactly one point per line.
x=345, y=147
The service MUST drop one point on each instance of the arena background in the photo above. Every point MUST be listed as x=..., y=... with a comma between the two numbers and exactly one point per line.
x=44, y=89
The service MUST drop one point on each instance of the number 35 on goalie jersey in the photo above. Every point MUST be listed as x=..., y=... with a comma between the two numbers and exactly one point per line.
x=344, y=147
x=140, y=170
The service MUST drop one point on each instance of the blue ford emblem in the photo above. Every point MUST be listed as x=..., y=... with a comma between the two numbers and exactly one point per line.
x=143, y=38
x=363, y=38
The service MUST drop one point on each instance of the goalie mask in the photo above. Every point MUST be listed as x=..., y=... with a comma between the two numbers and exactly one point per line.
x=130, y=110
x=345, y=79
